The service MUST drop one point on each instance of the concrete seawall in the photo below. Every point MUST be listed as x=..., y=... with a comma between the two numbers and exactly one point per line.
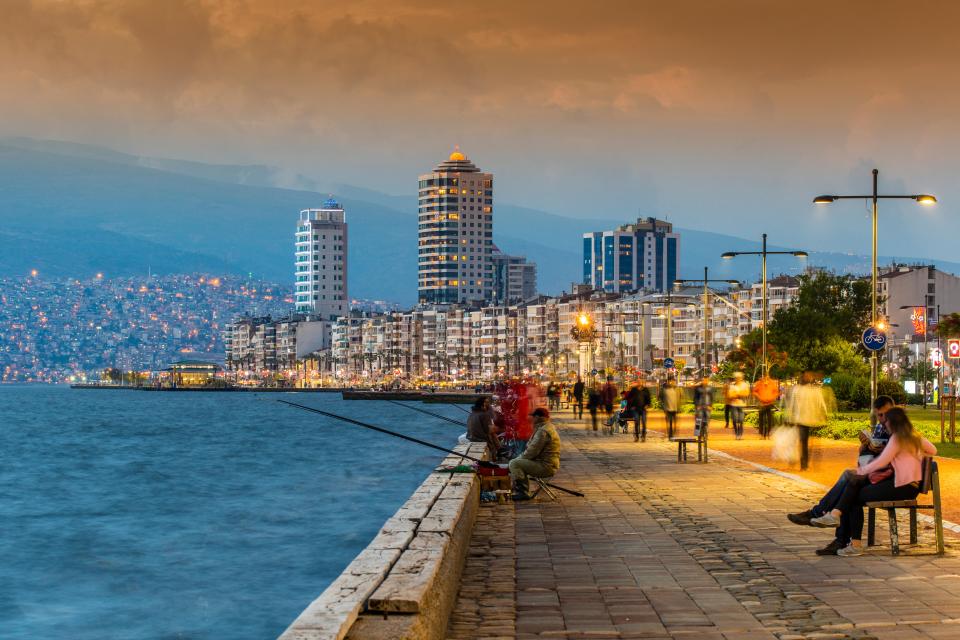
x=404, y=584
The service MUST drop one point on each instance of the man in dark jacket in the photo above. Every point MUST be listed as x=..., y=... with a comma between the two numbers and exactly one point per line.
x=578, y=398
x=638, y=399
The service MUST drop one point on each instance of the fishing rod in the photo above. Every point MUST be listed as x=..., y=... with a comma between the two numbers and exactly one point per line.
x=429, y=413
x=482, y=463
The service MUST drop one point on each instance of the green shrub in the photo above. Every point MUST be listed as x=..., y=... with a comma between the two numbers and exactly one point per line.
x=893, y=389
x=851, y=392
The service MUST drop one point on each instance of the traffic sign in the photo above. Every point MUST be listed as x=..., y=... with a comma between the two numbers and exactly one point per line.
x=953, y=348
x=668, y=363
x=594, y=372
x=874, y=339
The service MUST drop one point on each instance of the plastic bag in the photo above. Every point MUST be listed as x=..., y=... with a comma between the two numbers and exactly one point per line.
x=786, y=444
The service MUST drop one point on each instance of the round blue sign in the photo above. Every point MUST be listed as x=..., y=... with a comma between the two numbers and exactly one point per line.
x=874, y=339
x=668, y=363
x=594, y=372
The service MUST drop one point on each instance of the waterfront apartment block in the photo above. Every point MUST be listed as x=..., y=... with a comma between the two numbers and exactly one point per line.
x=321, y=262
x=469, y=343
x=913, y=297
x=514, y=278
x=455, y=234
x=264, y=345
x=644, y=255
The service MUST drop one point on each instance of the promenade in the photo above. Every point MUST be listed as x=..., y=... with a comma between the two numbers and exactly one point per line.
x=658, y=549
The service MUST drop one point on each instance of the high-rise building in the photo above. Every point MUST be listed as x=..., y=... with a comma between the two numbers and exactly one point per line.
x=514, y=279
x=321, y=262
x=455, y=233
x=645, y=255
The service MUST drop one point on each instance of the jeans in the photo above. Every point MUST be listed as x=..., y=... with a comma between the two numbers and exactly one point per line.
x=639, y=417
x=593, y=417
x=671, y=417
x=736, y=414
x=578, y=407
x=854, y=497
x=804, y=435
x=703, y=415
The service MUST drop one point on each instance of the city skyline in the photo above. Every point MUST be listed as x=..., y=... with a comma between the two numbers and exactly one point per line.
x=731, y=119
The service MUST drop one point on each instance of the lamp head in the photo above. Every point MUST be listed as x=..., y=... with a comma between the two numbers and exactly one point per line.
x=801, y=254
x=728, y=255
x=824, y=199
x=925, y=199
x=733, y=282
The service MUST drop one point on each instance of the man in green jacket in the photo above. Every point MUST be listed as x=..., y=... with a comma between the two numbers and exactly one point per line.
x=541, y=458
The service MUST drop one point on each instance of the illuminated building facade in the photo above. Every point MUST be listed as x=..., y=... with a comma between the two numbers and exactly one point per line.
x=645, y=255
x=455, y=233
x=321, y=262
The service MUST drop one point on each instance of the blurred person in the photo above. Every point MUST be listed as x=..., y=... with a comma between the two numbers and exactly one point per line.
x=904, y=452
x=738, y=392
x=541, y=458
x=594, y=402
x=609, y=395
x=553, y=396
x=767, y=391
x=638, y=399
x=703, y=405
x=578, y=389
x=807, y=410
x=480, y=426
x=726, y=405
x=670, y=397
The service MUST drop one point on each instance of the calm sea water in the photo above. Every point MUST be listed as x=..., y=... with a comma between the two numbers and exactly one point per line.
x=138, y=515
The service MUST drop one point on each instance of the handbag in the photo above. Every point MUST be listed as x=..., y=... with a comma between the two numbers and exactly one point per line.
x=879, y=476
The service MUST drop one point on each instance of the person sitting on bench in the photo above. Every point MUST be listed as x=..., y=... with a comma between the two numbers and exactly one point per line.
x=541, y=458
x=881, y=406
x=904, y=452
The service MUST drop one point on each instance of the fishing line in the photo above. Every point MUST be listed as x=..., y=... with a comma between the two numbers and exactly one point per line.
x=429, y=413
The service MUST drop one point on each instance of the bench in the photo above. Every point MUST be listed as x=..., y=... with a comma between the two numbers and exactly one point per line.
x=682, y=448
x=929, y=484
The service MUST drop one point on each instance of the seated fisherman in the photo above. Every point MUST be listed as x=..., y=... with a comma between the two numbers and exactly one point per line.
x=541, y=458
x=480, y=425
x=881, y=406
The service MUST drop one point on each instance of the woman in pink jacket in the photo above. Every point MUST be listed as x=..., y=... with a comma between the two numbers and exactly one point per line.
x=904, y=453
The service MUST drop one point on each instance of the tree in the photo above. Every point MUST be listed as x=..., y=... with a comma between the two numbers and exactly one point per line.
x=948, y=326
x=821, y=330
x=748, y=357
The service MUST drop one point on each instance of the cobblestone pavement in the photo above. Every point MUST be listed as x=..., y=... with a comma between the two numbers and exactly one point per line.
x=665, y=550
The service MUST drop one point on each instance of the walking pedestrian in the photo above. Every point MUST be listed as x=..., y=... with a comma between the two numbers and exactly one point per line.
x=767, y=391
x=578, y=388
x=703, y=405
x=670, y=401
x=593, y=404
x=608, y=394
x=807, y=410
x=737, y=393
x=638, y=399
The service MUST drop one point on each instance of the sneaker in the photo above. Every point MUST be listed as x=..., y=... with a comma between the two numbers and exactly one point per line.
x=827, y=520
x=831, y=549
x=850, y=551
x=802, y=518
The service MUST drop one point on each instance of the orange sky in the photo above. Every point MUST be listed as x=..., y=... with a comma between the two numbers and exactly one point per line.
x=725, y=115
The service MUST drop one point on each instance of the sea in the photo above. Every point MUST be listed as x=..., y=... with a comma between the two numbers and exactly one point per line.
x=142, y=515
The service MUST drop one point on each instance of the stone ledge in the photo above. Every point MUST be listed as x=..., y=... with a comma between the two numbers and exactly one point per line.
x=407, y=577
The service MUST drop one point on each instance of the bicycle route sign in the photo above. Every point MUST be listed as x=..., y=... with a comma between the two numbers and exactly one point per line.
x=668, y=363
x=874, y=339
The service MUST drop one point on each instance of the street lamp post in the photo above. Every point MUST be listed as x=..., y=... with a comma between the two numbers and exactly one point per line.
x=706, y=293
x=922, y=198
x=763, y=253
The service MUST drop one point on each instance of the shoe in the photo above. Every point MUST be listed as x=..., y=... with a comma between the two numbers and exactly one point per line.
x=850, y=551
x=826, y=520
x=636, y=438
x=831, y=549
x=802, y=518
x=520, y=497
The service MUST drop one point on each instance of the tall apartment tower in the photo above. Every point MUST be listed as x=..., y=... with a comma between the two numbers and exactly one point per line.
x=455, y=233
x=321, y=262
x=645, y=255
x=514, y=278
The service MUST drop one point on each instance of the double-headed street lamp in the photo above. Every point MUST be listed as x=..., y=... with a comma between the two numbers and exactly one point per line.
x=706, y=292
x=922, y=198
x=763, y=253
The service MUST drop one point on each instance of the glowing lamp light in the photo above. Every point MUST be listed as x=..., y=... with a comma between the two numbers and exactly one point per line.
x=926, y=199
x=583, y=319
x=881, y=325
x=824, y=199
